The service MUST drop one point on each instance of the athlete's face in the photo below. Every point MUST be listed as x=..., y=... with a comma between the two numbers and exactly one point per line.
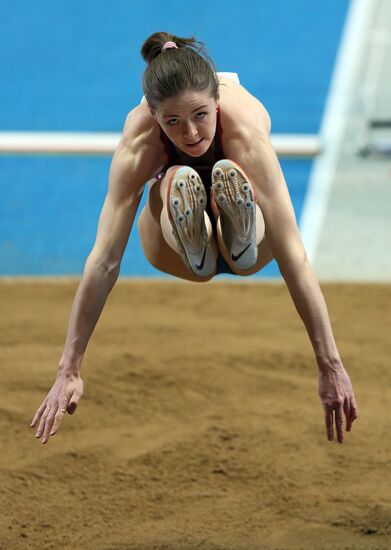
x=189, y=120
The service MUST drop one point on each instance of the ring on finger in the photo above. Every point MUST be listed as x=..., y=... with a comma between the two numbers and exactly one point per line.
x=63, y=410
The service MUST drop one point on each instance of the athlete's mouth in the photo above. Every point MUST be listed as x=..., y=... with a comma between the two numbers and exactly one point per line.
x=194, y=144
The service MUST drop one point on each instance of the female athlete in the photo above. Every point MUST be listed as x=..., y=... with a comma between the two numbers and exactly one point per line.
x=217, y=203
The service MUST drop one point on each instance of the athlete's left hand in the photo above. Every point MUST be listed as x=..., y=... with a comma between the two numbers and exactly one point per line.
x=337, y=396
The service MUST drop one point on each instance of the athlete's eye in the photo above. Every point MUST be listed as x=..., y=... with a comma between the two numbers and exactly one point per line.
x=201, y=114
x=172, y=121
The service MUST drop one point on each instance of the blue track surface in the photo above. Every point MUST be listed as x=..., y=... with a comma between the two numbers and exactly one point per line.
x=76, y=66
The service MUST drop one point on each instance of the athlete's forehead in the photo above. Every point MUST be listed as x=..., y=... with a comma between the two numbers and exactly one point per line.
x=185, y=104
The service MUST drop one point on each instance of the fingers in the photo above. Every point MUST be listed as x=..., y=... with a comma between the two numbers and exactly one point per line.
x=353, y=414
x=51, y=419
x=346, y=410
x=48, y=424
x=58, y=418
x=37, y=415
x=74, y=401
x=339, y=422
x=64, y=396
x=328, y=417
x=62, y=409
x=42, y=421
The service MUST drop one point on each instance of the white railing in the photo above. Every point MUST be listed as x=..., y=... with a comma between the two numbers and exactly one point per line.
x=83, y=143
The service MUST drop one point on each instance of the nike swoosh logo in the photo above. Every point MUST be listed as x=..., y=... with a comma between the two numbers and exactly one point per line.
x=235, y=258
x=202, y=261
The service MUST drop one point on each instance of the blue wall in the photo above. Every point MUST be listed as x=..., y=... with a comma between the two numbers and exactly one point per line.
x=76, y=66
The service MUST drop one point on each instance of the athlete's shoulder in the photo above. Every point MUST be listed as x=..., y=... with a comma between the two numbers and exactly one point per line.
x=140, y=151
x=141, y=128
x=241, y=112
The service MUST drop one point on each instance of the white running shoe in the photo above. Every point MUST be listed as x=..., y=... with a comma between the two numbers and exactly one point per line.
x=186, y=201
x=236, y=201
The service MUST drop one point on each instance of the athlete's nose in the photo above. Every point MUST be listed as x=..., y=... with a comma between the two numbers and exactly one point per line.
x=190, y=131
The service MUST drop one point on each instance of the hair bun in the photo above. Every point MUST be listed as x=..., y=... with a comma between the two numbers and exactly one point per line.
x=186, y=67
x=153, y=45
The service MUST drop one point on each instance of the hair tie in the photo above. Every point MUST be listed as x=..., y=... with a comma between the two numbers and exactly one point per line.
x=169, y=45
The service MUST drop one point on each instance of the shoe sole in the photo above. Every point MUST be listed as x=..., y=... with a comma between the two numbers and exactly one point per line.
x=236, y=201
x=186, y=201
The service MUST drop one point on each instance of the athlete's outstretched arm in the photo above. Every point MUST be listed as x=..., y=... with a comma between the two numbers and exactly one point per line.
x=128, y=173
x=252, y=149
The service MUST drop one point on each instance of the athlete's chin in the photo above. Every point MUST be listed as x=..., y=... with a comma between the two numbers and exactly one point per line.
x=197, y=150
x=194, y=155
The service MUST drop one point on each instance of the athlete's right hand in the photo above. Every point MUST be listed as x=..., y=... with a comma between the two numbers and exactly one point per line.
x=64, y=396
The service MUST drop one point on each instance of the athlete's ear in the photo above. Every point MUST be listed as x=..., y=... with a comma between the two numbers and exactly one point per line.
x=152, y=111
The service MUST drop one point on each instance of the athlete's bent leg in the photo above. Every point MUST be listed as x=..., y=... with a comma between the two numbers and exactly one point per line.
x=155, y=225
x=242, y=236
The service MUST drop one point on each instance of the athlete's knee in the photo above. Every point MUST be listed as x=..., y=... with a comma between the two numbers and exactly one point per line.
x=172, y=170
x=221, y=162
x=168, y=176
x=259, y=225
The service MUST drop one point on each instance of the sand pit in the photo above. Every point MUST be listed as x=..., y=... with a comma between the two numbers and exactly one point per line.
x=200, y=426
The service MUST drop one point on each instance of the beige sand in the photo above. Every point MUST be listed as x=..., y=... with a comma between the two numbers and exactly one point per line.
x=200, y=426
